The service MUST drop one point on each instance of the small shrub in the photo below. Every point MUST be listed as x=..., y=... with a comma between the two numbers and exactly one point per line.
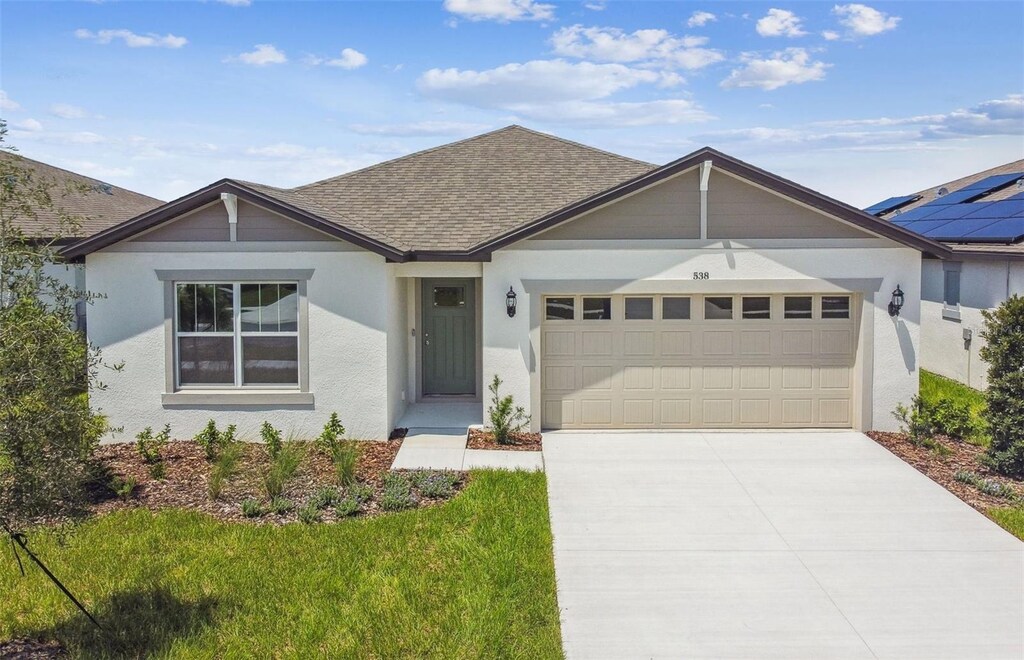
x=271, y=438
x=251, y=508
x=506, y=418
x=282, y=469
x=332, y=435
x=208, y=439
x=955, y=419
x=1004, y=351
x=309, y=513
x=225, y=468
x=325, y=497
x=345, y=456
x=158, y=470
x=397, y=494
x=281, y=506
x=123, y=488
x=346, y=507
x=967, y=477
x=435, y=485
x=361, y=493
x=996, y=488
x=915, y=420
x=150, y=445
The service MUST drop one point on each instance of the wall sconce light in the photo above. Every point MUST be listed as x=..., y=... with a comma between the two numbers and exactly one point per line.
x=510, y=302
x=896, y=304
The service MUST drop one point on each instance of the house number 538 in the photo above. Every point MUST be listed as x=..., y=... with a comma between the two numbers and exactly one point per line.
x=701, y=275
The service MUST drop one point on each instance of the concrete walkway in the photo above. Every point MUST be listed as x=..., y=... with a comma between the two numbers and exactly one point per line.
x=437, y=436
x=757, y=545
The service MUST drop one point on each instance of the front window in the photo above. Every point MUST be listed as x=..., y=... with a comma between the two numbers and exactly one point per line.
x=237, y=334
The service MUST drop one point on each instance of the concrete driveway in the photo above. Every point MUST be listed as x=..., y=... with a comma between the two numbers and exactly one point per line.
x=757, y=544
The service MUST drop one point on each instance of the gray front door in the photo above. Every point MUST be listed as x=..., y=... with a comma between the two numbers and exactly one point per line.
x=449, y=336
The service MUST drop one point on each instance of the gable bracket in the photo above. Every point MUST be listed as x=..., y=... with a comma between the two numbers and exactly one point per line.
x=231, y=204
x=705, y=175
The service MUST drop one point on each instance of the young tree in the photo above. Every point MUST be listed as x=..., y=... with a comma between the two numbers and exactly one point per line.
x=47, y=428
x=1004, y=352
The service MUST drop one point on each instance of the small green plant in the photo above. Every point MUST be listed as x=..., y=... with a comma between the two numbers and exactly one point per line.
x=996, y=488
x=955, y=419
x=397, y=493
x=967, y=477
x=150, y=445
x=280, y=506
x=915, y=420
x=309, y=513
x=506, y=418
x=361, y=493
x=252, y=508
x=207, y=439
x=282, y=469
x=435, y=485
x=345, y=456
x=225, y=468
x=157, y=470
x=332, y=435
x=325, y=497
x=346, y=507
x=123, y=488
x=272, y=438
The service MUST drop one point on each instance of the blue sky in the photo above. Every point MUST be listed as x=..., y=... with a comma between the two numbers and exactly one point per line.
x=859, y=101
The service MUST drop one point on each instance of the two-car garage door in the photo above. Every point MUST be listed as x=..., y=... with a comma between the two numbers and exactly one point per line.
x=698, y=361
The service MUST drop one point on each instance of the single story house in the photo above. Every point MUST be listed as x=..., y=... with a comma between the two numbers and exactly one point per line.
x=980, y=218
x=81, y=206
x=606, y=292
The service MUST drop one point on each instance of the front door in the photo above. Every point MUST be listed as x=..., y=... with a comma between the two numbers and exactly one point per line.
x=449, y=336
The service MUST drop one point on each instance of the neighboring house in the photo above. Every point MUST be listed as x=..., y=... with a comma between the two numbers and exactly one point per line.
x=702, y=293
x=93, y=204
x=981, y=219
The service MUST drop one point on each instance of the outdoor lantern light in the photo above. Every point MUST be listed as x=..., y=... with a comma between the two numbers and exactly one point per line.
x=897, y=302
x=510, y=302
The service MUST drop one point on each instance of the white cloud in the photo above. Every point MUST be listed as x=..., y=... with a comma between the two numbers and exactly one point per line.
x=601, y=5
x=131, y=39
x=350, y=59
x=261, y=55
x=989, y=118
x=420, y=128
x=97, y=170
x=700, y=19
x=863, y=21
x=830, y=35
x=30, y=124
x=652, y=45
x=557, y=91
x=68, y=111
x=500, y=10
x=7, y=103
x=791, y=66
x=236, y=3
x=780, y=23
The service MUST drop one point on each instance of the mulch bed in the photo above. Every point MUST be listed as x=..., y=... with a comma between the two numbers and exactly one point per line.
x=940, y=466
x=31, y=649
x=187, y=477
x=481, y=439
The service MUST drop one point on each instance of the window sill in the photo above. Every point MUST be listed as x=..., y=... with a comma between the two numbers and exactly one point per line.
x=951, y=313
x=235, y=397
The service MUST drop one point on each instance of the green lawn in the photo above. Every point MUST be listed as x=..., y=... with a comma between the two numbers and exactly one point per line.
x=1010, y=518
x=471, y=578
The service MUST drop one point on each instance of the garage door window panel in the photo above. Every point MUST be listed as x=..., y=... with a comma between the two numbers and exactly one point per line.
x=675, y=308
x=798, y=307
x=718, y=308
x=639, y=309
x=835, y=307
x=559, y=309
x=597, y=309
x=757, y=308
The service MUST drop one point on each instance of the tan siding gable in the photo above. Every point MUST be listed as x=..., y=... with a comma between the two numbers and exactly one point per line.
x=739, y=210
x=210, y=223
x=668, y=210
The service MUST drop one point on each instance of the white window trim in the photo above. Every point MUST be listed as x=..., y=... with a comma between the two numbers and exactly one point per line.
x=267, y=394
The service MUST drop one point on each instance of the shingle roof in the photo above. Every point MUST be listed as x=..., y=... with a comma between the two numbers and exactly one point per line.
x=457, y=195
x=99, y=207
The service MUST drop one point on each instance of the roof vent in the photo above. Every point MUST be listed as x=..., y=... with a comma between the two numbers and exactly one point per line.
x=104, y=188
x=942, y=191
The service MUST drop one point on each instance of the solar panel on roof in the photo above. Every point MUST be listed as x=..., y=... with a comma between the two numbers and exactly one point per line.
x=924, y=227
x=891, y=204
x=994, y=182
x=955, y=197
x=1019, y=195
x=1004, y=208
x=916, y=214
x=952, y=211
x=957, y=229
x=1006, y=229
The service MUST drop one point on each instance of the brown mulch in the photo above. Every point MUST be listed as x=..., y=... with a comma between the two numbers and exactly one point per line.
x=31, y=649
x=941, y=465
x=185, y=484
x=480, y=439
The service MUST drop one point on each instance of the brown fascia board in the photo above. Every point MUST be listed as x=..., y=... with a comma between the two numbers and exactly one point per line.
x=722, y=161
x=212, y=193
